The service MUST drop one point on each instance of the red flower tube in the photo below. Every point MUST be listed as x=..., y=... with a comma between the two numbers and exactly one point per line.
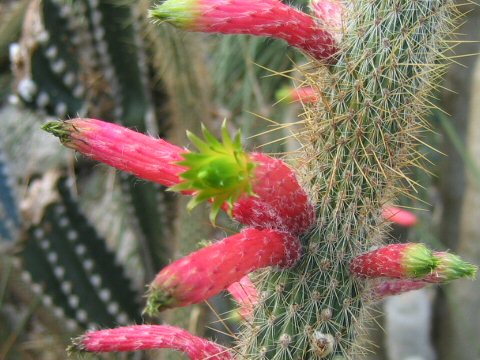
x=212, y=269
x=147, y=337
x=255, y=17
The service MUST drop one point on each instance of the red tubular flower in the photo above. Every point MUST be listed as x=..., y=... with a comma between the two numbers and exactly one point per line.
x=245, y=294
x=399, y=216
x=397, y=287
x=401, y=261
x=258, y=190
x=146, y=337
x=255, y=17
x=144, y=156
x=450, y=267
x=212, y=269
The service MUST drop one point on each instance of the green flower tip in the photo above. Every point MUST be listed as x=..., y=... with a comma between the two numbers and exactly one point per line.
x=157, y=301
x=180, y=13
x=59, y=129
x=76, y=347
x=453, y=267
x=419, y=261
x=284, y=95
x=219, y=171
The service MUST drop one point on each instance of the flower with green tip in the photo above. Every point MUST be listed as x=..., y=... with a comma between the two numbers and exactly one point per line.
x=400, y=261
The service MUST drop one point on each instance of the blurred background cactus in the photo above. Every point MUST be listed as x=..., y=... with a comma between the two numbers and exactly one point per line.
x=105, y=59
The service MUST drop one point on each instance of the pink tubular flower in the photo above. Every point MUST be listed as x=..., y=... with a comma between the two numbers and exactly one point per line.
x=212, y=269
x=401, y=261
x=255, y=17
x=397, y=287
x=399, y=216
x=146, y=337
x=450, y=267
x=258, y=190
x=245, y=294
x=144, y=156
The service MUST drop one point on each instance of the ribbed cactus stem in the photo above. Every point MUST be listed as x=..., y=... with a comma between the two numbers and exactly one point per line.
x=359, y=136
x=147, y=337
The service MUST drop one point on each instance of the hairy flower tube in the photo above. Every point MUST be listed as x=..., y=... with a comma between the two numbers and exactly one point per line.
x=212, y=269
x=258, y=190
x=255, y=17
x=146, y=337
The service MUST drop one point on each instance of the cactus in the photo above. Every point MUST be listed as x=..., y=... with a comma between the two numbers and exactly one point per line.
x=64, y=255
x=358, y=137
x=9, y=213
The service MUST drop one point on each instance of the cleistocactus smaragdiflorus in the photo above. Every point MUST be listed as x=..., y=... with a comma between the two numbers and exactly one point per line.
x=314, y=228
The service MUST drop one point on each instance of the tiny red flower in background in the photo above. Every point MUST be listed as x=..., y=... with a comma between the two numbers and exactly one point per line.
x=304, y=94
x=399, y=216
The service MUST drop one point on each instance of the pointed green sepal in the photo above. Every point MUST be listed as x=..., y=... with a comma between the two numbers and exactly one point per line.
x=59, y=129
x=221, y=171
x=418, y=261
x=453, y=267
x=180, y=13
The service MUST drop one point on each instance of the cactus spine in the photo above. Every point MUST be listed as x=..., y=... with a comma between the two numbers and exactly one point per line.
x=359, y=136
